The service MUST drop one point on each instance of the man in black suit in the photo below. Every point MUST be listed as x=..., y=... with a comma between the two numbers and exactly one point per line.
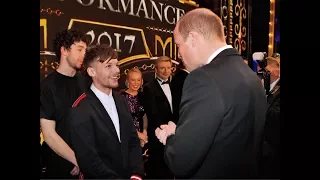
x=176, y=86
x=223, y=106
x=103, y=137
x=271, y=148
x=157, y=101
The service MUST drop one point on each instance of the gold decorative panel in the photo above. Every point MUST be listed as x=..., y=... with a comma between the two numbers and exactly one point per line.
x=234, y=15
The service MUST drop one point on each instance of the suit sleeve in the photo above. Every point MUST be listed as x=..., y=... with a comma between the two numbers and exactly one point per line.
x=201, y=113
x=136, y=162
x=83, y=144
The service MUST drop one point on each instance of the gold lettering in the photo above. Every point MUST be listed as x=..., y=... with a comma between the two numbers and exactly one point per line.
x=43, y=23
x=163, y=45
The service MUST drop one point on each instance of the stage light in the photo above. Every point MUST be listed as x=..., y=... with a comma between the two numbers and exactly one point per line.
x=271, y=27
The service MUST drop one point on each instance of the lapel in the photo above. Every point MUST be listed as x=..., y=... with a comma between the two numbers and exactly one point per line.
x=121, y=114
x=274, y=93
x=276, y=88
x=160, y=92
x=102, y=112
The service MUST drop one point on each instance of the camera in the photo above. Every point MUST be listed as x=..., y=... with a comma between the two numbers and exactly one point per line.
x=263, y=73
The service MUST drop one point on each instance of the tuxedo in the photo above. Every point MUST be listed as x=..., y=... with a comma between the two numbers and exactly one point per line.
x=271, y=148
x=176, y=86
x=220, y=128
x=158, y=112
x=94, y=139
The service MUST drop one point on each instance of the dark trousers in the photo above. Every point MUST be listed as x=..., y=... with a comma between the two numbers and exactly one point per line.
x=56, y=167
x=156, y=168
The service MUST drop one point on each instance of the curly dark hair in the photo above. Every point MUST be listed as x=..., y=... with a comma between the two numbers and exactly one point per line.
x=99, y=52
x=66, y=38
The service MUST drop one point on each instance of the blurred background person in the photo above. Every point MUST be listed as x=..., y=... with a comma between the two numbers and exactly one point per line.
x=271, y=145
x=133, y=95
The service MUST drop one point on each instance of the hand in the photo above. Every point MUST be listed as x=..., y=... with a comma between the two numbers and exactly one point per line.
x=164, y=131
x=143, y=136
x=75, y=171
x=171, y=128
x=142, y=143
x=162, y=134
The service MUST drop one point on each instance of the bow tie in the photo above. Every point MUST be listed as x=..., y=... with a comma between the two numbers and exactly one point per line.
x=163, y=82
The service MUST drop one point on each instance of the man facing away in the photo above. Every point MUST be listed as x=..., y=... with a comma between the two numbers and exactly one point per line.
x=103, y=136
x=222, y=110
x=58, y=91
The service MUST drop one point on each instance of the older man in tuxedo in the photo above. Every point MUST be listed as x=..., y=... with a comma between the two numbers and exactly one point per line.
x=157, y=101
x=223, y=106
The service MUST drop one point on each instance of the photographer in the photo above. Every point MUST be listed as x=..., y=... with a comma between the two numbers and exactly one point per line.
x=271, y=147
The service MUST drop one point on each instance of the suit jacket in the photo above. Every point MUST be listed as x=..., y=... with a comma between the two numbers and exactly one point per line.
x=272, y=127
x=94, y=140
x=222, y=115
x=176, y=86
x=158, y=112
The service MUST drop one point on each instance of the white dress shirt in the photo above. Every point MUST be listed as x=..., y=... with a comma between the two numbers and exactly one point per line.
x=110, y=106
x=273, y=84
x=167, y=91
x=214, y=54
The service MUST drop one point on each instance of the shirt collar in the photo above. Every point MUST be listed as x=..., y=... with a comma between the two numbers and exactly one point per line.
x=214, y=54
x=272, y=85
x=101, y=95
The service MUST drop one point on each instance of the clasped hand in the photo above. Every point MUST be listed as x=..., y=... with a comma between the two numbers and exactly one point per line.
x=164, y=131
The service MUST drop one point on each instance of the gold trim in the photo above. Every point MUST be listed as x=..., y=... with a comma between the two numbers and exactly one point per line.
x=189, y=2
x=130, y=58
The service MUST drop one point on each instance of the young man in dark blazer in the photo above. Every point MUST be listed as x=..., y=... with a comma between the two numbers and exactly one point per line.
x=103, y=137
x=223, y=106
x=157, y=101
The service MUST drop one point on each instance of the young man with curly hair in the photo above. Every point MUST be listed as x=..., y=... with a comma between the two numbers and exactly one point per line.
x=58, y=91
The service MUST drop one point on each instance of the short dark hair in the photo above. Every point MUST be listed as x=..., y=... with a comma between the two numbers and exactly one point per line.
x=99, y=52
x=66, y=38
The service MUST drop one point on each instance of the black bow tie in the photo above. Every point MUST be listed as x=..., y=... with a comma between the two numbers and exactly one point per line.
x=163, y=82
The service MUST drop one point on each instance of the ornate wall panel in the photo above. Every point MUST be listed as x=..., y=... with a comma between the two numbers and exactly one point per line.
x=235, y=15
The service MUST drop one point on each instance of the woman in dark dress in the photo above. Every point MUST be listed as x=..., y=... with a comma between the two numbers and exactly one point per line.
x=134, y=82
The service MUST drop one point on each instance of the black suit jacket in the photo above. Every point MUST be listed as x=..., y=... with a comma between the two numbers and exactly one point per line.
x=176, y=86
x=222, y=115
x=272, y=127
x=94, y=140
x=158, y=112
